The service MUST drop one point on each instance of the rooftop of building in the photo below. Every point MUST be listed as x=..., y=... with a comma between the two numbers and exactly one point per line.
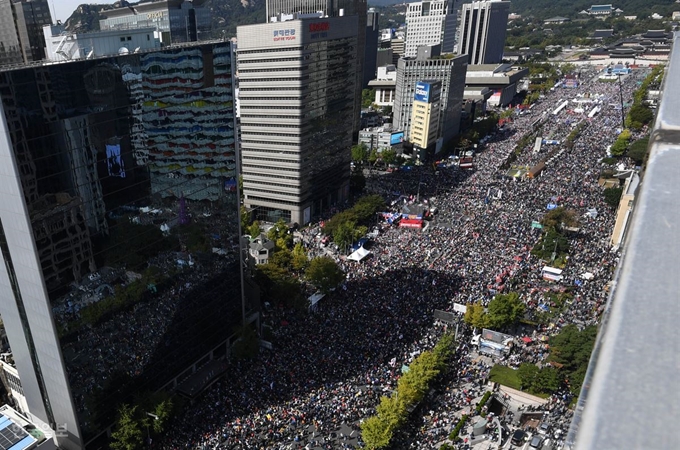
x=602, y=33
x=146, y=6
x=14, y=431
x=45, y=63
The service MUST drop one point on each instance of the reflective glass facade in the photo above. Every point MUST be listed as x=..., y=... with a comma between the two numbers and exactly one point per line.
x=126, y=206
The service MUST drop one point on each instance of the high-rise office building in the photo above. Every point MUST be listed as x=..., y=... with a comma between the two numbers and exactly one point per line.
x=430, y=23
x=282, y=10
x=430, y=65
x=330, y=8
x=425, y=115
x=298, y=88
x=117, y=180
x=371, y=48
x=21, y=34
x=482, y=31
x=175, y=21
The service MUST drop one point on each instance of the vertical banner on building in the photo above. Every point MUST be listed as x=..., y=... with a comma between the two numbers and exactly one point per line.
x=114, y=162
x=307, y=215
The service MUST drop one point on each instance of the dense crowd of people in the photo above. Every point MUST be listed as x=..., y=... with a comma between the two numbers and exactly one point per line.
x=328, y=369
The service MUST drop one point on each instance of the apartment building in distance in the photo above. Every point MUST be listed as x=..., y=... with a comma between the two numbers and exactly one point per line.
x=175, y=21
x=430, y=23
x=21, y=38
x=483, y=28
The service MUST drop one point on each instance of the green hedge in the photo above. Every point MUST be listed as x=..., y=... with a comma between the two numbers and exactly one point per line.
x=459, y=426
x=482, y=402
x=377, y=430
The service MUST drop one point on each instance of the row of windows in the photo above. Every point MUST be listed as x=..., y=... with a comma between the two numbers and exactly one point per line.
x=290, y=144
x=284, y=169
x=260, y=150
x=257, y=159
x=270, y=200
x=271, y=50
x=275, y=176
x=242, y=98
x=276, y=69
x=277, y=134
x=260, y=116
x=263, y=183
x=267, y=191
x=258, y=61
x=277, y=89
x=305, y=78
x=270, y=107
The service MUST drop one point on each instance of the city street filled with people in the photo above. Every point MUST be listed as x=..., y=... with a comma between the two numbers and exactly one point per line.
x=328, y=368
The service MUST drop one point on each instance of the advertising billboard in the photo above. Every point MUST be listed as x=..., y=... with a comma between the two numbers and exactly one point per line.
x=422, y=93
x=114, y=162
x=397, y=138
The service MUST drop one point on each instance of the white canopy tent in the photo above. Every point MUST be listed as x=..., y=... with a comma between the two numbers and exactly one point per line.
x=359, y=254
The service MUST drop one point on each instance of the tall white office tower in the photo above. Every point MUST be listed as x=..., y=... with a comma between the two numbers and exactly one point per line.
x=430, y=23
x=482, y=31
x=298, y=88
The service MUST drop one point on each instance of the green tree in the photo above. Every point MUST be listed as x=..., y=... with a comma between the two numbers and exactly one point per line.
x=551, y=242
x=376, y=433
x=373, y=156
x=344, y=235
x=388, y=156
x=392, y=410
x=640, y=113
x=547, y=380
x=277, y=285
x=475, y=315
x=359, y=153
x=245, y=219
x=505, y=310
x=559, y=218
x=324, y=273
x=612, y=196
x=282, y=257
x=638, y=150
x=527, y=374
x=128, y=434
x=300, y=259
x=619, y=147
x=254, y=229
x=280, y=234
x=567, y=68
x=367, y=97
x=572, y=349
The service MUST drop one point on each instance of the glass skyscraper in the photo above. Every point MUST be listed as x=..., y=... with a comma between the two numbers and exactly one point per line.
x=118, y=228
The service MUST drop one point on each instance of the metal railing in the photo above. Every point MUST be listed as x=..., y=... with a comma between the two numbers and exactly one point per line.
x=631, y=394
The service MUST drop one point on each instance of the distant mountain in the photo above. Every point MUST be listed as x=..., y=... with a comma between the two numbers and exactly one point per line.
x=226, y=14
x=86, y=18
x=550, y=8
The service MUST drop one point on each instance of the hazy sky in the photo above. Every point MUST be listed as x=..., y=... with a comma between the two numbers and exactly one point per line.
x=62, y=9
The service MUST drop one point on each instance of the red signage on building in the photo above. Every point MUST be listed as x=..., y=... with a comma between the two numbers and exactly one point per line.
x=319, y=26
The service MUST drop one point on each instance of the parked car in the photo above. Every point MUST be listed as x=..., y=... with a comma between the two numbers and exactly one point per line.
x=518, y=437
x=536, y=441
